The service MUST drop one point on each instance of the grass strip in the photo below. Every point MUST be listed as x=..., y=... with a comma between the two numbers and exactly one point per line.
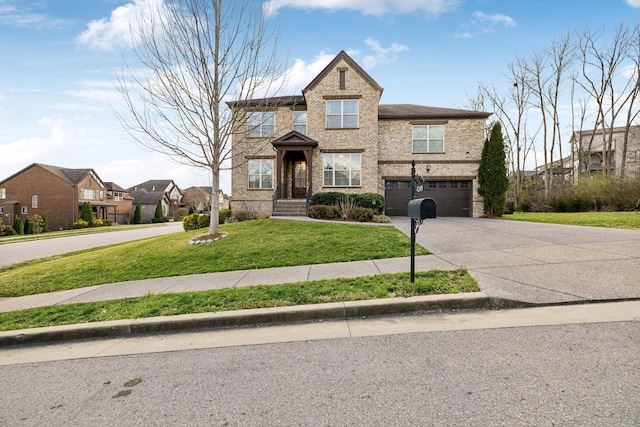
x=249, y=245
x=626, y=220
x=313, y=292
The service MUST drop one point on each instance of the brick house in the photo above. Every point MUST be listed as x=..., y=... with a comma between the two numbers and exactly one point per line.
x=150, y=192
x=123, y=202
x=57, y=193
x=337, y=136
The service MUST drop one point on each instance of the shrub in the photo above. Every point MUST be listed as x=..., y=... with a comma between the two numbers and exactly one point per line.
x=362, y=214
x=204, y=220
x=45, y=224
x=81, y=223
x=323, y=211
x=182, y=212
x=224, y=215
x=137, y=215
x=244, y=215
x=381, y=219
x=190, y=222
x=18, y=226
x=97, y=223
x=28, y=226
x=6, y=230
x=86, y=213
x=369, y=200
x=346, y=206
x=326, y=198
x=159, y=213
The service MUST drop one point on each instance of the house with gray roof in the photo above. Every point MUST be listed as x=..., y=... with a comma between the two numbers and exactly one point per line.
x=58, y=193
x=148, y=193
x=337, y=136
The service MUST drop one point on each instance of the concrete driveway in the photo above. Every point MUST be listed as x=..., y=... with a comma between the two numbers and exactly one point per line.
x=537, y=263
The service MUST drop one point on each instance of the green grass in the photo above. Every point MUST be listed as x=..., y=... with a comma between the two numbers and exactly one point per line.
x=629, y=220
x=249, y=245
x=314, y=292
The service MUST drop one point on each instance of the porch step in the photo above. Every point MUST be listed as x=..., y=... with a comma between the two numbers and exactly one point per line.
x=290, y=207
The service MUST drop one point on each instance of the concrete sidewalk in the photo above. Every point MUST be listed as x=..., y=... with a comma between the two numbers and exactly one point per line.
x=515, y=264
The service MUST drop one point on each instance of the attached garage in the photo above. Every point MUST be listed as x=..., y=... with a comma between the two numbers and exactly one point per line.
x=453, y=198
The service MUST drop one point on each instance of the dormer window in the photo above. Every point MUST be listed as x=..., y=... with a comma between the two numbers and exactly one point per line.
x=342, y=114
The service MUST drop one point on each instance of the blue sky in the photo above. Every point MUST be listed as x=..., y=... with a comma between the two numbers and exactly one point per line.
x=59, y=59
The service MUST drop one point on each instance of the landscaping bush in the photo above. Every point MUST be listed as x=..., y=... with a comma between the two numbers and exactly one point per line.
x=190, y=222
x=81, y=223
x=244, y=215
x=369, y=200
x=602, y=193
x=97, y=223
x=182, y=212
x=137, y=215
x=346, y=206
x=18, y=226
x=28, y=226
x=158, y=216
x=204, y=220
x=362, y=214
x=324, y=211
x=224, y=215
x=381, y=219
x=6, y=230
x=326, y=198
x=86, y=213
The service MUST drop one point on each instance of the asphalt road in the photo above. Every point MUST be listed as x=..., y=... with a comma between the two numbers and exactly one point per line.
x=11, y=253
x=566, y=375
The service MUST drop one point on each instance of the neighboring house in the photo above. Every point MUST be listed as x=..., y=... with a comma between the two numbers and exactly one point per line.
x=123, y=201
x=560, y=169
x=336, y=136
x=587, y=150
x=199, y=198
x=150, y=192
x=55, y=192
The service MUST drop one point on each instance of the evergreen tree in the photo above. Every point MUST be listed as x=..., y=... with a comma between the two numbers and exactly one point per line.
x=137, y=215
x=17, y=225
x=28, y=226
x=492, y=173
x=45, y=224
x=86, y=213
x=159, y=214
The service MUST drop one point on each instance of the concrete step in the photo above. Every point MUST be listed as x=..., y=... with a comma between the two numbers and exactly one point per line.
x=287, y=207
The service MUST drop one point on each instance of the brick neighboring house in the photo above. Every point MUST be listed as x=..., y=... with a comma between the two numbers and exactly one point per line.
x=199, y=198
x=338, y=137
x=123, y=201
x=57, y=193
x=150, y=192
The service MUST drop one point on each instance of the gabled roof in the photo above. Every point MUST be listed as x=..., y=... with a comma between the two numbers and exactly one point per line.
x=72, y=176
x=294, y=138
x=145, y=197
x=416, y=112
x=342, y=56
x=153, y=185
x=112, y=186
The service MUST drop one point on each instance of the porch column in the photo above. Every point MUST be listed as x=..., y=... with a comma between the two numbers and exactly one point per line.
x=280, y=183
x=307, y=157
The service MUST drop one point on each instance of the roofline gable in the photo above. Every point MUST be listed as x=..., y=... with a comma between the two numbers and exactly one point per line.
x=343, y=56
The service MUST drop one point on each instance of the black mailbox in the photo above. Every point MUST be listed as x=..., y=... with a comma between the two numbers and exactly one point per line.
x=422, y=208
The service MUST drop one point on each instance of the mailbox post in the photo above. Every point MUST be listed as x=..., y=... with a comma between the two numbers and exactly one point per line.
x=417, y=210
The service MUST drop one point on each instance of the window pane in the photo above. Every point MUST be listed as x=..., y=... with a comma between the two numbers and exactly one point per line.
x=435, y=146
x=267, y=181
x=328, y=178
x=334, y=107
x=419, y=132
x=436, y=132
x=350, y=122
x=350, y=107
x=419, y=146
x=355, y=178
x=342, y=178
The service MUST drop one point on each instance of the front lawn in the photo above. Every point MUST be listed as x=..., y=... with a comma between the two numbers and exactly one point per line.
x=629, y=220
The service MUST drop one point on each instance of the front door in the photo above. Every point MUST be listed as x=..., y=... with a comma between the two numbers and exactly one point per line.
x=299, y=179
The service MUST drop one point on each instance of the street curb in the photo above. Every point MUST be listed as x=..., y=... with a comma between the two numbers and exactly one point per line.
x=243, y=318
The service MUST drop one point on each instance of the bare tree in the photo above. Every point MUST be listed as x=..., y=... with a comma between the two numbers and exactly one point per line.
x=632, y=110
x=196, y=54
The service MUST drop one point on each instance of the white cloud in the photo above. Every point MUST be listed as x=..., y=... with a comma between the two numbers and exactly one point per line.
x=23, y=16
x=381, y=54
x=482, y=23
x=25, y=151
x=366, y=7
x=634, y=3
x=121, y=29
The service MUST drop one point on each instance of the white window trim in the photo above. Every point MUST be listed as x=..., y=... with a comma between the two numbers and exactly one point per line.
x=428, y=151
x=342, y=114
x=24, y=210
x=293, y=121
x=3, y=193
x=260, y=175
x=261, y=126
x=333, y=171
x=34, y=201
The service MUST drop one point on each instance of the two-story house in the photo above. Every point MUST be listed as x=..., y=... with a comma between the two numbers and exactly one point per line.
x=337, y=136
x=148, y=193
x=590, y=156
x=57, y=193
x=199, y=199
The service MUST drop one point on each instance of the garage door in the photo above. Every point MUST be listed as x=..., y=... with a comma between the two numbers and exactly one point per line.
x=453, y=198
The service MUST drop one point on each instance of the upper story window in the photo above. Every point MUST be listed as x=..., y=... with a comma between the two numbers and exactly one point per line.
x=3, y=193
x=342, y=114
x=89, y=194
x=428, y=139
x=341, y=170
x=300, y=122
x=117, y=196
x=261, y=124
x=261, y=174
x=34, y=201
